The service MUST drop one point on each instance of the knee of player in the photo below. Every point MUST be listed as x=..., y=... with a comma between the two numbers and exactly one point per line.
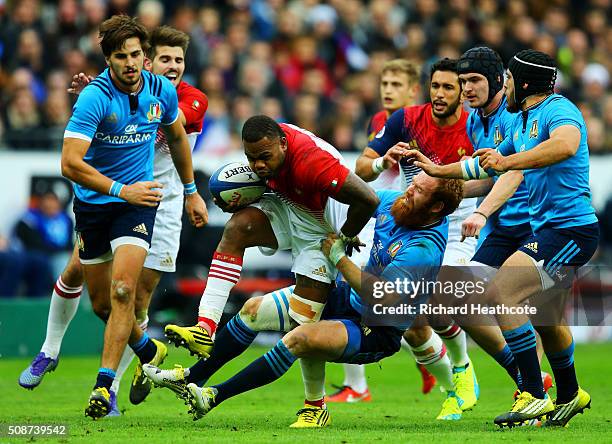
x=239, y=227
x=72, y=275
x=416, y=336
x=298, y=341
x=494, y=297
x=122, y=290
x=250, y=308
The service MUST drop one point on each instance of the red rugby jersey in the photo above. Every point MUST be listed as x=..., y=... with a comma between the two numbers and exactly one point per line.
x=311, y=173
x=388, y=179
x=193, y=103
x=415, y=126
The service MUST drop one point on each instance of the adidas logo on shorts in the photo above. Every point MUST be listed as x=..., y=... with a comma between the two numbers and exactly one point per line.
x=321, y=271
x=533, y=246
x=141, y=228
x=167, y=261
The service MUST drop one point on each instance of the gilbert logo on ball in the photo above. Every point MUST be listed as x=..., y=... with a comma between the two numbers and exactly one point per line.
x=236, y=183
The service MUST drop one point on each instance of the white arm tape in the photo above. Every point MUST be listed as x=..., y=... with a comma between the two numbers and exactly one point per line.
x=471, y=169
x=378, y=166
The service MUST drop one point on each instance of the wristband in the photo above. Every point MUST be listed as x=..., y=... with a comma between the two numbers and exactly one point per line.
x=471, y=169
x=337, y=251
x=482, y=214
x=115, y=189
x=189, y=188
x=377, y=165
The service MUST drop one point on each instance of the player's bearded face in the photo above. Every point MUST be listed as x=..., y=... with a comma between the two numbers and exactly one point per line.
x=412, y=209
x=169, y=61
x=266, y=156
x=126, y=64
x=512, y=106
x=445, y=94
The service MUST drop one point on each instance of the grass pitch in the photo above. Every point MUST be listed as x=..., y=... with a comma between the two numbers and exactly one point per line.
x=398, y=412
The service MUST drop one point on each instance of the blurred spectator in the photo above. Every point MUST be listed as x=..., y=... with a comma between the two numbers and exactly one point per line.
x=46, y=228
x=342, y=136
x=307, y=112
x=38, y=250
x=150, y=13
x=29, y=53
x=596, y=135
x=22, y=272
x=215, y=138
x=318, y=56
x=595, y=80
x=22, y=121
x=56, y=112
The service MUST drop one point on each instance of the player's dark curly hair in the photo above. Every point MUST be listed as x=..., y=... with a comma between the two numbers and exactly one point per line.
x=117, y=29
x=167, y=36
x=444, y=64
x=450, y=193
x=260, y=126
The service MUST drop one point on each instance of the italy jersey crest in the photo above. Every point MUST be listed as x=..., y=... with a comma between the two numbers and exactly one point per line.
x=394, y=248
x=154, y=112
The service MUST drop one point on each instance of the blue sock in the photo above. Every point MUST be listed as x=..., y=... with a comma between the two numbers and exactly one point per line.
x=105, y=378
x=562, y=364
x=522, y=343
x=145, y=349
x=262, y=371
x=230, y=342
x=505, y=358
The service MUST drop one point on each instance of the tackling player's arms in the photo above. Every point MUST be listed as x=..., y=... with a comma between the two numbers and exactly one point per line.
x=563, y=144
x=477, y=188
x=449, y=171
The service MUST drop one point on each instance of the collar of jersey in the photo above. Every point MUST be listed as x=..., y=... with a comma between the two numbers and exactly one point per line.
x=536, y=105
x=428, y=226
x=501, y=104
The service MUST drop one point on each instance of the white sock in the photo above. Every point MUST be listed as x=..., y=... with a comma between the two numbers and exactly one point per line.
x=432, y=354
x=355, y=378
x=313, y=375
x=224, y=273
x=456, y=343
x=126, y=360
x=64, y=304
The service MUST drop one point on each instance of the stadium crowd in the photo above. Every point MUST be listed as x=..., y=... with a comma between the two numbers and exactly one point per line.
x=309, y=62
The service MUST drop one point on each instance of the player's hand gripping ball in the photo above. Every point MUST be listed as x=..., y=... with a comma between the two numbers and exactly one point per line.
x=235, y=185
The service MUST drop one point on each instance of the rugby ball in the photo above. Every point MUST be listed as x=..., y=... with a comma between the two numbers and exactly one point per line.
x=236, y=183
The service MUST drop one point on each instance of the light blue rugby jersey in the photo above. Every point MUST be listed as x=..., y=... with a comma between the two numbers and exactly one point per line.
x=489, y=132
x=559, y=194
x=401, y=253
x=122, y=140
